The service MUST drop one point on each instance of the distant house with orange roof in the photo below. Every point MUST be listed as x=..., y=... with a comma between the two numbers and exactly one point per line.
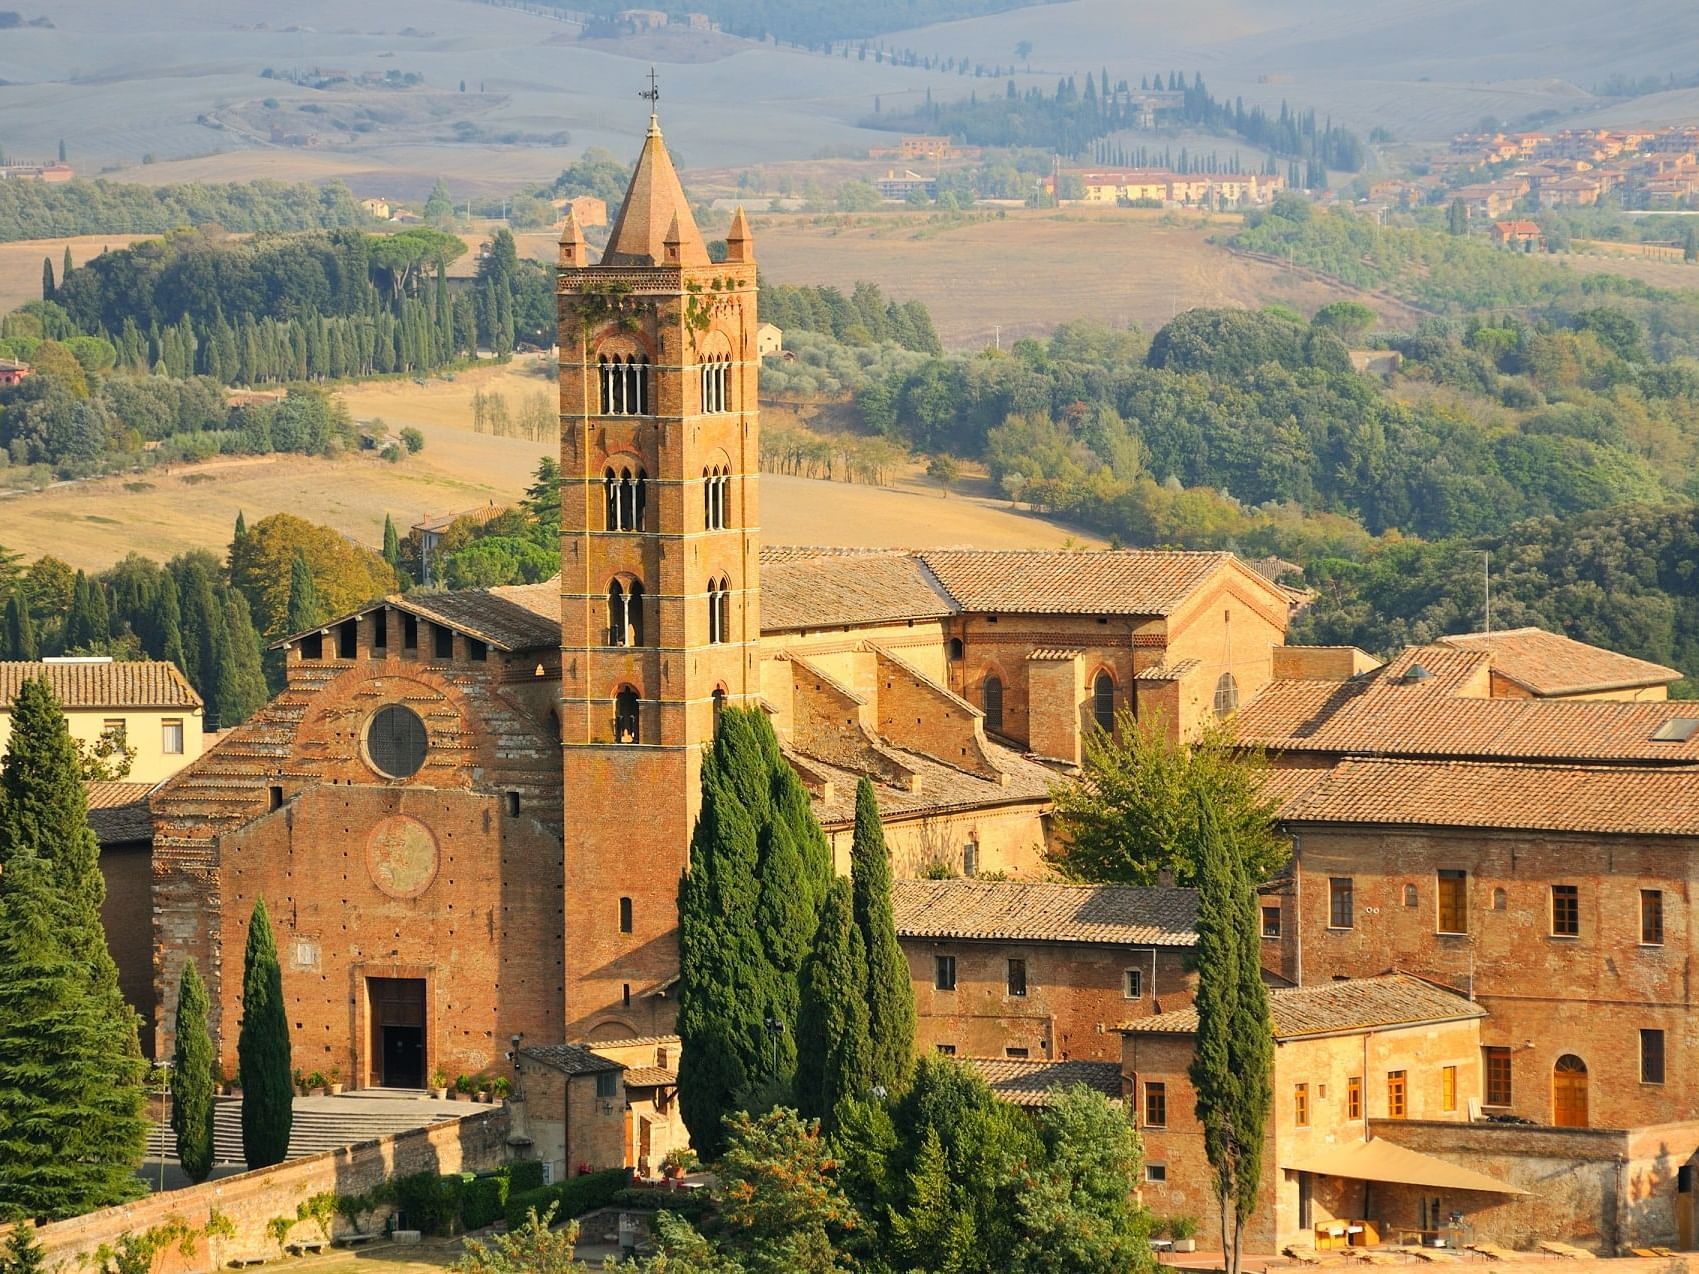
x=1522, y=236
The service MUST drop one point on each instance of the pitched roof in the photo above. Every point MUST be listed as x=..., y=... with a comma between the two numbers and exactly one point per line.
x=479, y=515
x=1059, y=582
x=570, y=1059
x=1376, y=715
x=654, y=209
x=1041, y=911
x=1030, y=1081
x=801, y=589
x=1354, y=1004
x=940, y=788
x=649, y=1077
x=118, y=812
x=1552, y=664
x=102, y=683
x=1624, y=800
x=510, y=617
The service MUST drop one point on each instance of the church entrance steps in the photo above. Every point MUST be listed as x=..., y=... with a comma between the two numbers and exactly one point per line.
x=324, y=1123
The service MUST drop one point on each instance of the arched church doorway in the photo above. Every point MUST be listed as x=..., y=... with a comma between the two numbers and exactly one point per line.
x=1569, y=1092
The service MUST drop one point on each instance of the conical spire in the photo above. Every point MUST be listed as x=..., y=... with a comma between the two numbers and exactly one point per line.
x=740, y=244
x=654, y=205
x=573, y=249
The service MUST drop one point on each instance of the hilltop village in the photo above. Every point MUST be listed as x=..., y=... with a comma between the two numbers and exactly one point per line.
x=468, y=814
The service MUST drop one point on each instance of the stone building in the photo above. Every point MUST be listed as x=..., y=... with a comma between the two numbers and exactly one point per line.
x=1019, y=970
x=573, y=1108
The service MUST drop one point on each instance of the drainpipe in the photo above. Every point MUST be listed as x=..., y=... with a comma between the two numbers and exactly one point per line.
x=1298, y=918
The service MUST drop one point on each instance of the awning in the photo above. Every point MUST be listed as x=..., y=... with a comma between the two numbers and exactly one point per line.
x=1381, y=1160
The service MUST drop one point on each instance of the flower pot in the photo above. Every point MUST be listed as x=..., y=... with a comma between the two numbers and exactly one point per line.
x=336, y=1090
x=441, y=1094
x=483, y=1097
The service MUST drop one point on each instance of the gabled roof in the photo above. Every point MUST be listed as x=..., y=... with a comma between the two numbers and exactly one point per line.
x=1030, y=1081
x=1552, y=664
x=824, y=589
x=569, y=1059
x=511, y=617
x=654, y=208
x=102, y=683
x=1041, y=911
x=1059, y=582
x=1326, y=1008
x=1621, y=800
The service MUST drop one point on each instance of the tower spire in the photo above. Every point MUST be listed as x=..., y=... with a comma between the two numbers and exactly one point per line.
x=654, y=200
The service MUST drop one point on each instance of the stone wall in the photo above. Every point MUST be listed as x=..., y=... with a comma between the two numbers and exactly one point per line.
x=252, y=1199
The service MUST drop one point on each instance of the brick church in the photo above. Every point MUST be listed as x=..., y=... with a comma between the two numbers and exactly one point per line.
x=468, y=811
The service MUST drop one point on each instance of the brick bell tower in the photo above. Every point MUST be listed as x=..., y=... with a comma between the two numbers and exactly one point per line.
x=660, y=621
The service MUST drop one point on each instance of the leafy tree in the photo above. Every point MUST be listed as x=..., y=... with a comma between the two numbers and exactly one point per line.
x=413, y=440
x=1231, y=1071
x=262, y=1049
x=23, y=1253
x=932, y=1231
x=345, y=576
x=779, y=1206
x=71, y=1125
x=1144, y=801
x=834, y=1051
x=890, y=996
x=20, y=629
x=534, y=1248
x=1350, y=320
x=1081, y=1214
x=192, y=1081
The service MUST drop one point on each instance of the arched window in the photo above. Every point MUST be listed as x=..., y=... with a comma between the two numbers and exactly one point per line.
x=1569, y=1092
x=1103, y=701
x=1226, y=695
x=725, y=609
x=716, y=383
x=1410, y=896
x=624, y=385
x=625, y=614
x=627, y=719
x=719, y=698
x=715, y=636
x=991, y=700
x=956, y=649
x=716, y=497
x=1498, y=900
x=627, y=496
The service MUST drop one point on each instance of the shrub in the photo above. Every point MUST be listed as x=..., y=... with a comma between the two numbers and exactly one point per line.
x=429, y=1203
x=688, y=1203
x=525, y=1175
x=571, y=1198
x=483, y=1199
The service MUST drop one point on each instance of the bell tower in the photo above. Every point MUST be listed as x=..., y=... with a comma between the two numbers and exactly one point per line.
x=660, y=620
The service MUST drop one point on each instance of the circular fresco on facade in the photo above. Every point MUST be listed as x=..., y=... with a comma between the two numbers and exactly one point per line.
x=401, y=856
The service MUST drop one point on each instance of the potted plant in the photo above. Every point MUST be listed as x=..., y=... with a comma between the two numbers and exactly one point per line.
x=300, y=1078
x=464, y=1087
x=481, y=1088
x=678, y=1161
x=316, y=1086
x=1184, y=1229
x=333, y=1080
x=500, y=1087
x=439, y=1083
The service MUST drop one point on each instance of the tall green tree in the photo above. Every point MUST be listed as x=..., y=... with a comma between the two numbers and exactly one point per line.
x=1231, y=1071
x=47, y=287
x=192, y=1080
x=391, y=542
x=834, y=1051
x=305, y=610
x=242, y=688
x=71, y=1125
x=20, y=629
x=1138, y=807
x=262, y=1049
x=1457, y=218
x=890, y=996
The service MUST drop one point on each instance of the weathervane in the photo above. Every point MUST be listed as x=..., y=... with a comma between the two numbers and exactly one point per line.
x=652, y=94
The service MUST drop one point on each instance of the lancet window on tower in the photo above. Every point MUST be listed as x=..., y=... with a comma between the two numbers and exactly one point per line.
x=624, y=384
x=625, y=614
x=716, y=383
x=627, y=716
x=716, y=498
x=627, y=496
x=719, y=611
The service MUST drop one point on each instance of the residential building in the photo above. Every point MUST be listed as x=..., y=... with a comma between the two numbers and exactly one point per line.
x=571, y=1107
x=145, y=704
x=654, y=1121
x=910, y=183
x=1520, y=236
x=12, y=371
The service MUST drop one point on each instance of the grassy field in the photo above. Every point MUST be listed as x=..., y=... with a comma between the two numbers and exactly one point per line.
x=20, y=262
x=1030, y=270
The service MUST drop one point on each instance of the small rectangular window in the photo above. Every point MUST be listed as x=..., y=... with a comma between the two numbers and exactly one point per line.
x=348, y=639
x=1156, y=1172
x=380, y=631
x=513, y=804
x=476, y=649
x=1396, y=1095
x=1652, y=917
x=625, y=993
x=1301, y=1105
x=625, y=915
x=442, y=642
x=1132, y=987
x=1354, y=1097
x=944, y=973
x=409, y=632
x=1448, y=1088
x=1017, y=1053
x=970, y=859
x=948, y=1050
x=1498, y=1076
x=1271, y=922
x=312, y=646
x=113, y=729
x=1017, y=977
x=1155, y=1104
x=607, y=1083
x=171, y=737
x=1566, y=911
x=1341, y=910
x=1651, y=1057
x=1453, y=896
x=274, y=797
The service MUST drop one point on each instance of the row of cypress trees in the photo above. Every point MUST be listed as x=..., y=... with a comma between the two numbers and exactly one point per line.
x=792, y=987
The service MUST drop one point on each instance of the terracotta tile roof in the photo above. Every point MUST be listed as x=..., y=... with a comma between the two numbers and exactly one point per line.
x=1552, y=664
x=1168, y=672
x=481, y=514
x=1373, y=715
x=569, y=1059
x=638, y=1041
x=942, y=788
x=115, y=683
x=1442, y=669
x=1283, y=784
x=1058, y=582
x=512, y=617
x=654, y=210
x=1030, y=1081
x=1622, y=800
x=1355, y=1004
x=118, y=812
x=1042, y=911
x=827, y=590
x=649, y=1077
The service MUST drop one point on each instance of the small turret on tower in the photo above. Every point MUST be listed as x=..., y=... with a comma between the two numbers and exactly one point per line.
x=740, y=243
x=574, y=251
x=673, y=244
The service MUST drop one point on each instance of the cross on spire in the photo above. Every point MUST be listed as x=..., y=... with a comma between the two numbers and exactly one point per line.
x=652, y=94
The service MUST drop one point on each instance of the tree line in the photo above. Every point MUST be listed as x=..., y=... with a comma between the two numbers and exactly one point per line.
x=864, y=317
x=812, y=25
x=52, y=210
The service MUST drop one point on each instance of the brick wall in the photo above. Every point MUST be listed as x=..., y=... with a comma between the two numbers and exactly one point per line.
x=125, y=914
x=252, y=1199
x=569, y=1125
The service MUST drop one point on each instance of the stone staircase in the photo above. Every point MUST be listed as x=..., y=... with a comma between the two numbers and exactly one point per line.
x=322, y=1123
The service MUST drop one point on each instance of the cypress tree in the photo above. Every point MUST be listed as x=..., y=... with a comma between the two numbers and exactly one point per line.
x=20, y=629
x=47, y=288
x=1231, y=1070
x=79, y=623
x=240, y=534
x=243, y=693
x=391, y=542
x=65, y=273
x=167, y=622
x=191, y=1077
x=23, y=1254
x=834, y=1052
x=71, y=1125
x=890, y=998
x=262, y=1049
x=304, y=610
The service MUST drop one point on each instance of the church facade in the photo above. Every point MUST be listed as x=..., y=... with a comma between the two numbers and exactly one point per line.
x=468, y=812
